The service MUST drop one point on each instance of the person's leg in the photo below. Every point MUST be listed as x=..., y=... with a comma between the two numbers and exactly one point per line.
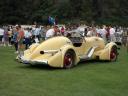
x=110, y=38
x=9, y=41
x=29, y=42
x=127, y=44
x=20, y=48
x=16, y=46
x=25, y=43
x=114, y=38
x=4, y=41
x=38, y=36
x=1, y=40
x=104, y=37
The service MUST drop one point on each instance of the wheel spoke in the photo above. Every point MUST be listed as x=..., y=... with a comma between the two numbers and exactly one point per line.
x=113, y=54
x=67, y=60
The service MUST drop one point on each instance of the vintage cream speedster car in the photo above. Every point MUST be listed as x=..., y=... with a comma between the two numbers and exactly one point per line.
x=65, y=52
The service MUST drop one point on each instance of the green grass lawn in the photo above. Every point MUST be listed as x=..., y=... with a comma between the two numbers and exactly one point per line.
x=86, y=79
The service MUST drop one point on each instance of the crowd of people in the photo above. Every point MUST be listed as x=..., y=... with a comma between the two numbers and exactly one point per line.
x=23, y=36
x=19, y=37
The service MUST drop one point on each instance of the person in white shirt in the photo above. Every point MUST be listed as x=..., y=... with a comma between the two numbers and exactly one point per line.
x=112, y=34
x=98, y=29
x=1, y=36
x=51, y=32
x=37, y=31
x=92, y=32
x=89, y=33
x=27, y=36
x=103, y=33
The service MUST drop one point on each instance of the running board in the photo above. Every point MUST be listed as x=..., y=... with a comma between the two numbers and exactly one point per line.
x=89, y=54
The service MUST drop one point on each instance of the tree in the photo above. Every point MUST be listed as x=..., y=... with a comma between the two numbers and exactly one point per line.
x=28, y=11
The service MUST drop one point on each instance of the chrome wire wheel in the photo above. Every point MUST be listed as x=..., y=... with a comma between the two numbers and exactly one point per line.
x=113, y=54
x=69, y=59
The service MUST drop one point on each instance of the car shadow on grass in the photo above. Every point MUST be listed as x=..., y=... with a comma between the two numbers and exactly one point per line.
x=46, y=67
x=38, y=67
x=93, y=62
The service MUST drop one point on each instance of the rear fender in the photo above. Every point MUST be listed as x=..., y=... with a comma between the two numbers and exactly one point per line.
x=109, y=47
x=104, y=54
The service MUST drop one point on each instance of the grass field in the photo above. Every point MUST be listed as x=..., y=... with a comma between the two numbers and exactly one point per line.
x=86, y=79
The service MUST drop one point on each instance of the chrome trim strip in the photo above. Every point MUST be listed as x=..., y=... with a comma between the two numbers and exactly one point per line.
x=32, y=61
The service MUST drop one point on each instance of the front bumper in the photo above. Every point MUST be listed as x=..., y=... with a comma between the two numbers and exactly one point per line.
x=25, y=61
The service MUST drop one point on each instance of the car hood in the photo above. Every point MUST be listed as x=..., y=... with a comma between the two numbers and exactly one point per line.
x=54, y=43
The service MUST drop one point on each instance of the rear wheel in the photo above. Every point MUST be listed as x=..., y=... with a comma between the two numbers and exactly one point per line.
x=113, y=54
x=69, y=59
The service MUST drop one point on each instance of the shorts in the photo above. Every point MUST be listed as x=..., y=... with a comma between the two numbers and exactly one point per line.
x=21, y=41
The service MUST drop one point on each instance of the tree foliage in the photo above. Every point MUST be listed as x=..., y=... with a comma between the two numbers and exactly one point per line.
x=28, y=11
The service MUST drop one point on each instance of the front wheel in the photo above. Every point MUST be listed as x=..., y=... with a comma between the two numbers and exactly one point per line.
x=113, y=54
x=69, y=59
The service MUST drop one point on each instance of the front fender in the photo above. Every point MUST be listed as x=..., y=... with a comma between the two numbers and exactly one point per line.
x=58, y=59
x=33, y=46
x=70, y=47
